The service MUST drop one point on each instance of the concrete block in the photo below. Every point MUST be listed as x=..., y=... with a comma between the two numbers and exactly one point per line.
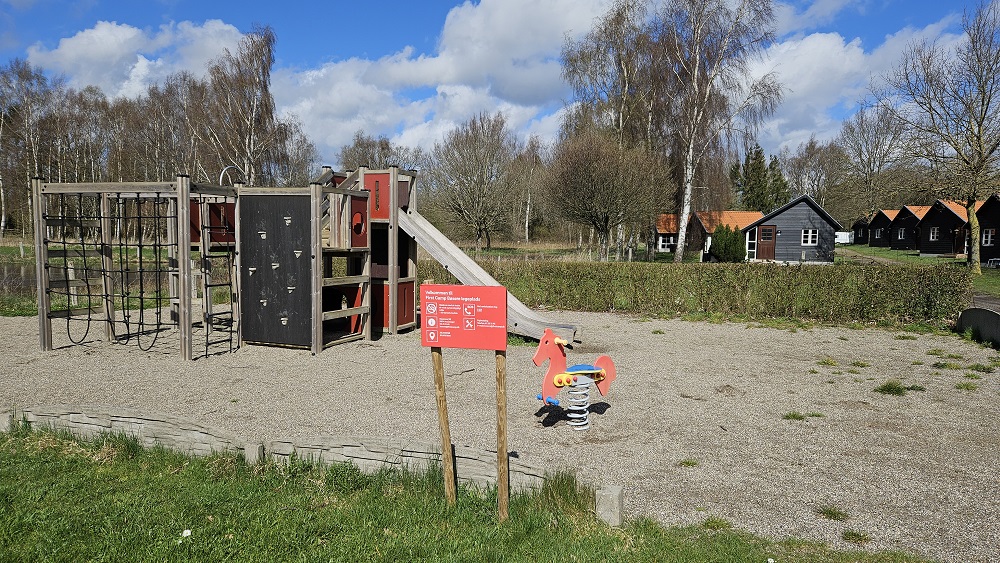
x=6, y=419
x=253, y=453
x=609, y=501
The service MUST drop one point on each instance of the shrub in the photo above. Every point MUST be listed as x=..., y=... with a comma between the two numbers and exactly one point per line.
x=888, y=294
x=728, y=244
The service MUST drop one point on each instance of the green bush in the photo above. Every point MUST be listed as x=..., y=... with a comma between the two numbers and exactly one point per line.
x=728, y=245
x=884, y=294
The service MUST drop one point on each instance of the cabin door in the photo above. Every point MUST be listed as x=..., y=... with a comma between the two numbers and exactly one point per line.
x=765, y=242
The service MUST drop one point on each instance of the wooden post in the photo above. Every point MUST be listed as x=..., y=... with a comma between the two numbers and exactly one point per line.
x=184, y=263
x=316, y=257
x=503, y=473
x=447, y=459
x=41, y=272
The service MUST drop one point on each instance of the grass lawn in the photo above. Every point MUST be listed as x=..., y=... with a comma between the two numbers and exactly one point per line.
x=111, y=500
x=988, y=283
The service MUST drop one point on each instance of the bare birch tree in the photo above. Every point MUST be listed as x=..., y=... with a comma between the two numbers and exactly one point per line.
x=949, y=100
x=710, y=45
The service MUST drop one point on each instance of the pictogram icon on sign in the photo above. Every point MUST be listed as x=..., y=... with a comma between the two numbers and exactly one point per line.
x=470, y=324
x=431, y=322
x=432, y=308
x=469, y=310
x=432, y=335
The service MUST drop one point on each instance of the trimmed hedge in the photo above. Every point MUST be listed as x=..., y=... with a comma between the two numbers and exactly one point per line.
x=886, y=294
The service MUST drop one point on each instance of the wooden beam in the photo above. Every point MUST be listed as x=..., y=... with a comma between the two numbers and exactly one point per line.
x=41, y=272
x=184, y=264
x=341, y=313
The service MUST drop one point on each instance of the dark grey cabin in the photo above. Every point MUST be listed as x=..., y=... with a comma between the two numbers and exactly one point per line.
x=903, y=229
x=799, y=231
x=943, y=230
x=989, y=228
x=860, y=228
x=878, y=227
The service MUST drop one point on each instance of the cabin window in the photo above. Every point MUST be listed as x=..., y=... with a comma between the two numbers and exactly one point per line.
x=989, y=235
x=878, y=233
x=935, y=233
x=901, y=233
x=810, y=237
x=752, y=244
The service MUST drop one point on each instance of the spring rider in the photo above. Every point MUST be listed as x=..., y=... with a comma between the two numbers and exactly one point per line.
x=578, y=378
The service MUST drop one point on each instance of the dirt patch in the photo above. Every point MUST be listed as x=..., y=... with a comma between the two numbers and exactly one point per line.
x=914, y=472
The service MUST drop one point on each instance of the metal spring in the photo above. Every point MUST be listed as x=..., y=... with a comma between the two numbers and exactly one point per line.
x=578, y=404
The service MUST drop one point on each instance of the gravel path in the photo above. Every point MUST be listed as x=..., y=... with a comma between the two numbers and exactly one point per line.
x=915, y=473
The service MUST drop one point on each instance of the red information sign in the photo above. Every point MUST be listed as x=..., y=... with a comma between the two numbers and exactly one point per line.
x=464, y=316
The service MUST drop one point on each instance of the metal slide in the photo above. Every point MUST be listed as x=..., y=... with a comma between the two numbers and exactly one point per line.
x=520, y=319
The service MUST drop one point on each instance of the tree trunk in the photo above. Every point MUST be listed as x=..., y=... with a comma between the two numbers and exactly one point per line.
x=682, y=220
x=973, y=257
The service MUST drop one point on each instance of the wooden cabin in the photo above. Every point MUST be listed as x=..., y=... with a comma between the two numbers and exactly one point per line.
x=860, y=230
x=702, y=225
x=903, y=229
x=878, y=227
x=666, y=232
x=989, y=225
x=943, y=230
x=799, y=231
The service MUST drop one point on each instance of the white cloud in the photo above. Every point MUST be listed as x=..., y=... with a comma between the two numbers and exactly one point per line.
x=124, y=60
x=826, y=75
x=789, y=19
x=498, y=55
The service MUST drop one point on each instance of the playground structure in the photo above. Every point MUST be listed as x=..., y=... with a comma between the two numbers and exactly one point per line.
x=111, y=255
x=577, y=378
x=306, y=267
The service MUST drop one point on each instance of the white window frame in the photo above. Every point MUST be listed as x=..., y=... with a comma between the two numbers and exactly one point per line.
x=901, y=233
x=935, y=234
x=810, y=237
x=878, y=233
x=751, y=241
x=989, y=237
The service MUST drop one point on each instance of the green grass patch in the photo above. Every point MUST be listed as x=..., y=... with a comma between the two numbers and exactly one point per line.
x=966, y=386
x=860, y=364
x=892, y=387
x=855, y=536
x=794, y=415
x=827, y=361
x=688, y=462
x=981, y=368
x=831, y=512
x=658, y=331
x=946, y=365
x=110, y=499
x=935, y=352
x=905, y=337
x=972, y=375
x=716, y=523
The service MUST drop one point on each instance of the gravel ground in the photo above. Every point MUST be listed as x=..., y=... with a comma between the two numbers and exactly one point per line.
x=916, y=473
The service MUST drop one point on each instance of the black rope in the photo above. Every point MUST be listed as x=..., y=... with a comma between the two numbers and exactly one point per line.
x=155, y=203
x=122, y=207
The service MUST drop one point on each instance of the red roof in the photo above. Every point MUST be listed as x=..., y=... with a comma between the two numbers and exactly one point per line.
x=890, y=213
x=919, y=210
x=738, y=219
x=667, y=223
x=959, y=208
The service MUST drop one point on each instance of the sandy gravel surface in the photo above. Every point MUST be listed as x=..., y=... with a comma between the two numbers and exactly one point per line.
x=917, y=473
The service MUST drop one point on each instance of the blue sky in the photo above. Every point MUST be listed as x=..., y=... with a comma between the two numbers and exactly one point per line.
x=412, y=70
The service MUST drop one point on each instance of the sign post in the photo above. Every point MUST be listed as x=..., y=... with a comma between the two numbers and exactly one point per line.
x=470, y=317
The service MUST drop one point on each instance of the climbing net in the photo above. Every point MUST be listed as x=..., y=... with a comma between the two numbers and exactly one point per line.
x=114, y=258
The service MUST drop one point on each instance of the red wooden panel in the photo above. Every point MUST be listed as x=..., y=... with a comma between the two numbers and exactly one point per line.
x=378, y=185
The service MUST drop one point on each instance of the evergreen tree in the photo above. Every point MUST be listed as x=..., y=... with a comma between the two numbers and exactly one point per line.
x=728, y=244
x=777, y=185
x=759, y=186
